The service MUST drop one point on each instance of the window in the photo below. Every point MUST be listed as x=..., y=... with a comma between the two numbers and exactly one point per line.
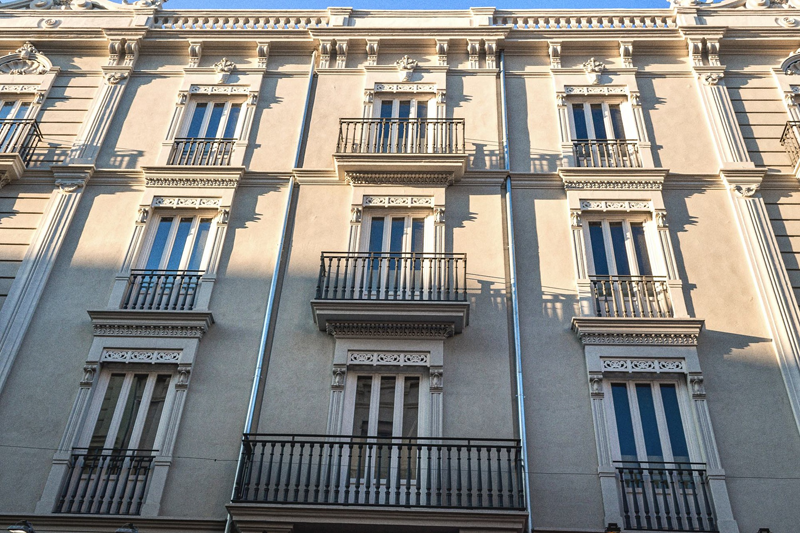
x=131, y=406
x=396, y=233
x=13, y=109
x=598, y=121
x=650, y=422
x=599, y=140
x=179, y=242
x=213, y=119
x=404, y=126
x=618, y=247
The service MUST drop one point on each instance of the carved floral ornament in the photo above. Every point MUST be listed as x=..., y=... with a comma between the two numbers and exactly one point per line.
x=25, y=60
x=593, y=69
x=405, y=66
x=224, y=67
x=791, y=65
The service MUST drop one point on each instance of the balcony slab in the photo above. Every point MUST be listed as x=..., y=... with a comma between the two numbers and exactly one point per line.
x=142, y=323
x=258, y=518
x=637, y=331
x=193, y=176
x=620, y=177
x=432, y=169
x=329, y=313
x=11, y=167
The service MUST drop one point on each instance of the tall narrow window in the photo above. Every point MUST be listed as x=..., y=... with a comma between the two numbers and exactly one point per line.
x=214, y=119
x=597, y=121
x=619, y=248
x=179, y=243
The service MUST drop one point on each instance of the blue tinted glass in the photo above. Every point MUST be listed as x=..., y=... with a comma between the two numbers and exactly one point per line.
x=396, y=244
x=647, y=411
x=580, y=122
x=620, y=253
x=159, y=242
x=5, y=110
x=197, y=120
x=622, y=413
x=386, y=109
x=418, y=235
x=179, y=244
x=422, y=110
x=233, y=119
x=199, y=244
x=597, y=121
x=677, y=438
x=640, y=244
x=405, y=109
x=376, y=235
x=598, y=249
x=616, y=121
x=213, y=122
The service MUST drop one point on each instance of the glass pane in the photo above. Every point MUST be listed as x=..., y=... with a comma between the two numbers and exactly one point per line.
x=376, y=235
x=159, y=243
x=123, y=440
x=154, y=411
x=620, y=252
x=598, y=248
x=5, y=110
x=213, y=123
x=616, y=121
x=386, y=407
x=422, y=109
x=598, y=122
x=386, y=109
x=647, y=411
x=179, y=244
x=107, y=411
x=677, y=438
x=581, y=132
x=361, y=410
x=199, y=247
x=396, y=240
x=622, y=414
x=418, y=235
x=410, y=407
x=640, y=245
x=233, y=120
x=197, y=120
x=404, y=110
x=22, y=110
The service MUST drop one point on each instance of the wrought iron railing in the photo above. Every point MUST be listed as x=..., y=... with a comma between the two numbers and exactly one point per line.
x=162, y=290
x=198, y=151
x=20, y=136
x=631, y=296
x=381, y=471
x=392, y=276
x=791, y=140
x=607, y=153
x=104, y=481
x=665, y=497
x=401, y=136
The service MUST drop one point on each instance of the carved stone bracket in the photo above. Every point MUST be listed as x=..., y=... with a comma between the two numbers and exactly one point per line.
x=70, y=185
x=474, y=51
x=441, y=51
x=745, y=191
x=596, y=386
x=437, y=379
x=372, y=51
x=626, y=53
x=711, y=78
x=262, y=51
x=195, y=53
x=554, y=50
x=337, y=380
x=341, y=53
x=697, y=386
x=184, y=373
x=89, y=372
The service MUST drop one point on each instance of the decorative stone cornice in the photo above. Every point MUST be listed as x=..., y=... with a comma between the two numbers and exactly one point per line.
x=140, y=356
x=743, y=182
x=390, y=330
x=613, y=179
x=191, y=177
x=637, y=331
x=397, y=178
x=121, y=323
x=613, y=185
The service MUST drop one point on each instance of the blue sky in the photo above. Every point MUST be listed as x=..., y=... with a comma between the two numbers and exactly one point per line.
x=414, y=4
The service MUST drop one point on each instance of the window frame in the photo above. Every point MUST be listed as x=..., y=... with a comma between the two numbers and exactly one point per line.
x=655, y=255
x=409, y=215
x=223, y=122
x=684, y=407
x=177, y=214
x=17, y=103
x=96, y=403
x=414, y=100
x=628, y=125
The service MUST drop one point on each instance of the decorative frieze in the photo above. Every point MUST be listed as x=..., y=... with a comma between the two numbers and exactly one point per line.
x=610, y=90
x=390, y=330
x=388, y=358
x=616, y=205
x=398, y=201
x=219, y=89
x=406, y=87
x=162, y=201
x=135, y=330
x=18, y=88
x=181, y=181
x=395, y=178
x=614, y=185
x=660, y=339
x=140, y=356
x=644, y=365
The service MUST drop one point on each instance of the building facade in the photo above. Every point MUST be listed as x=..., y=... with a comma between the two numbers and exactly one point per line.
x=399, y=271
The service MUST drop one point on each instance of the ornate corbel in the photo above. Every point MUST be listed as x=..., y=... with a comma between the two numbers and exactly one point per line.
x=561, y=99
x=262, y=51
x=491, y=53
x=142, y=215
x=223, y=216
x=698, y=387
x=593, y=69
x=355, y=214
x=182, y=98
x=596, y=386
x=441, y=51
x=114, y=78
x=661, y=219
x=67, y=186
x=554, y=50
x=184, y=374
x=116, y=48
x=437, y=379
x=224, y=67
x=712, y=47
x=745, y=191
x=337, y=379
x=131, y=52
x=626, y=53
x=195, y=53
x=438, y=215
x=635, y=98
x=369, y=97
x=575, y=218
x=341, y=53
x=325, y=53
x=696, y=51
x=89, y=372
x=474, y=51
x=372, y=51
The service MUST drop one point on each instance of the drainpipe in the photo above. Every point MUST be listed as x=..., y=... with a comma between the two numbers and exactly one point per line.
x=258, y=376
x=512, y=266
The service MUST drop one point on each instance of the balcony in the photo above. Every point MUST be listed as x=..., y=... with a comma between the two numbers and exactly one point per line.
x=392, y=287
x=631, y=296
x=19, y=139
x=204, y=152
x=665, y=497
x=339, y=481
x=162, y=290
x=383, y=150
x=611, y=153
x=105, y=481
x=790, y=140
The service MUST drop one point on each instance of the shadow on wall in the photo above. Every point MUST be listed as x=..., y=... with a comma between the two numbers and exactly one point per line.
x=679, y=219
x=267, y=99
x=559, y=304
x=492, y=292
x=481, y=158
x=651, y=102
x=537, y=159
x=124, y=158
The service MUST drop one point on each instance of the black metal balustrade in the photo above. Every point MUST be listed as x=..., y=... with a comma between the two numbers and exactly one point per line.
x=607, y=153
x=790, y=140
x=392, y=276
x=380, y=471
x=103, y=481
x=20, y=136
x=401, y=136
x=162, y=290
x=201, y=152
x=665, y=497
x=631, y=296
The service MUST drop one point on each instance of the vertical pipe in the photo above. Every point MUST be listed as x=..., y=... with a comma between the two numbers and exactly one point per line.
x=512, y=266
x=273, y=288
